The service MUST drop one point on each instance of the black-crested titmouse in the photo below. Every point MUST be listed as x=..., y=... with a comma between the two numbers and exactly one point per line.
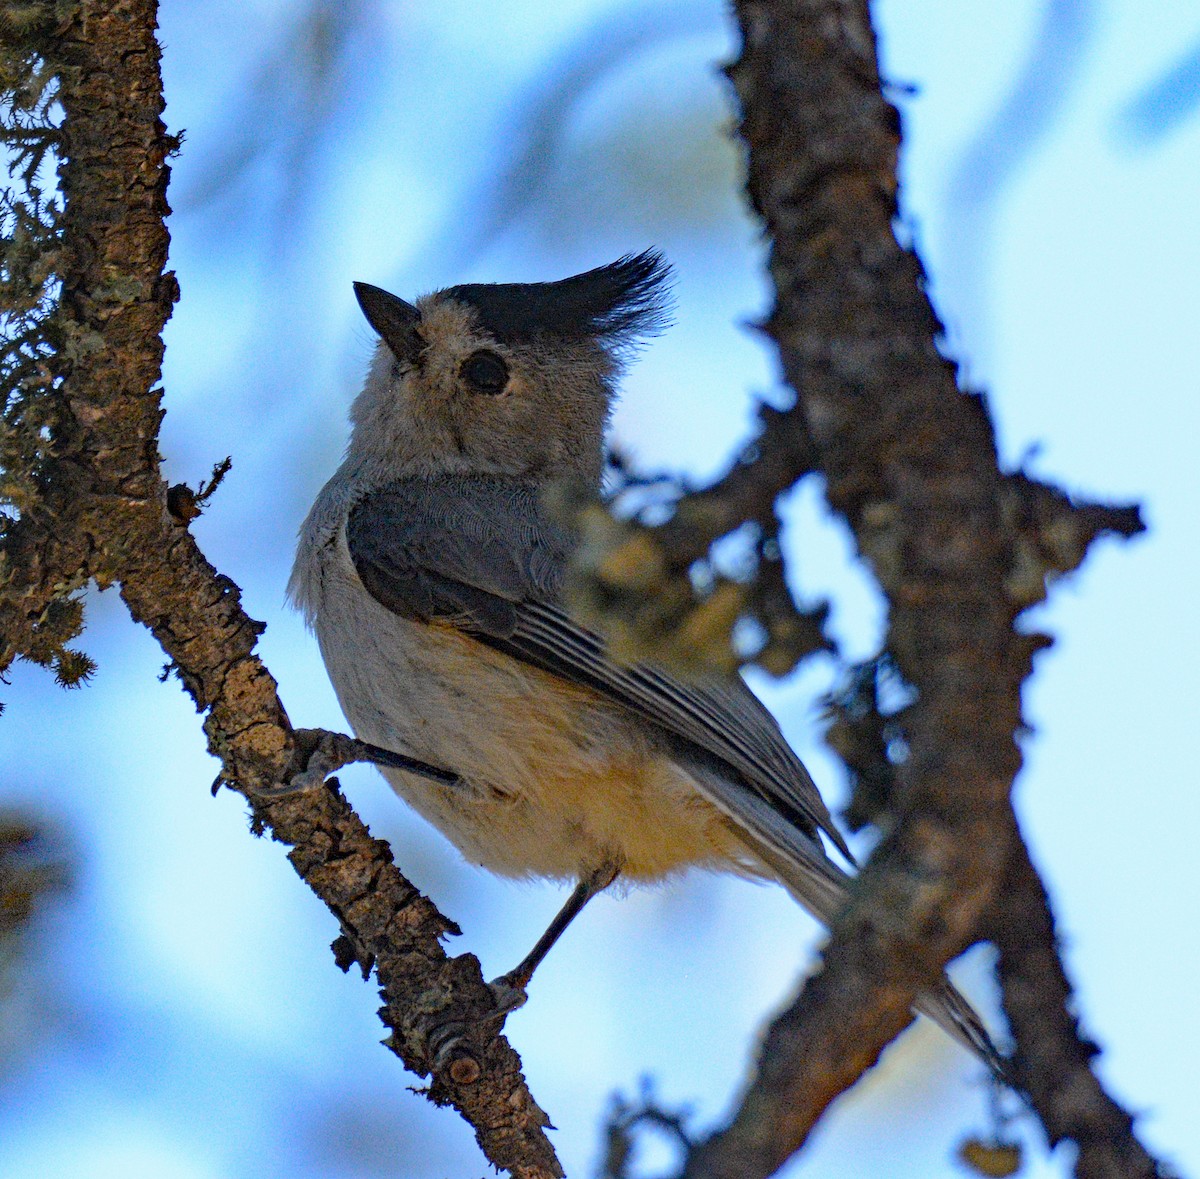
x=431, y=572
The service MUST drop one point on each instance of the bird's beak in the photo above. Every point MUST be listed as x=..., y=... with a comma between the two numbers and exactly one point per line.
x=394, y=319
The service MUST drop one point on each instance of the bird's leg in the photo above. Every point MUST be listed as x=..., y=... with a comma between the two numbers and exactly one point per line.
x=449, y=1041
x=324, y=753
x=509, y=988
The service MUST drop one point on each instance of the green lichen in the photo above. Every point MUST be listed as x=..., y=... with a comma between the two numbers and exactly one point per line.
x=31, y=334
x=30, y=247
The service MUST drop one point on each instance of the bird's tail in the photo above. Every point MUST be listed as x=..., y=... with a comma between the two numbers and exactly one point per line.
x=951, y=1011
x=820, y=886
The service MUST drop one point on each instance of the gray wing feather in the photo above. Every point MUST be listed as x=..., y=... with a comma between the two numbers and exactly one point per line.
x=442, y=548
x=479, y=553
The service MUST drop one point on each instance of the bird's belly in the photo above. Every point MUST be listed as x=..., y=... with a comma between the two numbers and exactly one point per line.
x=555, y=780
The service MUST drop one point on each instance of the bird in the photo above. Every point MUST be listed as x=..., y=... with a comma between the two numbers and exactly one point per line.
x=431, y=569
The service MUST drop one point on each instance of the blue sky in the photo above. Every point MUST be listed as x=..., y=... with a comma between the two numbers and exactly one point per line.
x=189, y=1021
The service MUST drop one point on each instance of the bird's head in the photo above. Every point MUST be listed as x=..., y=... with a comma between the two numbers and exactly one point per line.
x=513, y=379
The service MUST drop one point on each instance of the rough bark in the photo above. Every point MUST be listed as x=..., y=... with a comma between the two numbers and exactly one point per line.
x=102, y=514
x=1055, y=1063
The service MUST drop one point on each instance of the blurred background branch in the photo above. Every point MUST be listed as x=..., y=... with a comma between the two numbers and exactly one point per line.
x=912, y=465
x=36, y=869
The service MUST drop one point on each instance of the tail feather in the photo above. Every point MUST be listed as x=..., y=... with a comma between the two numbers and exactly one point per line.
x=951, y=1011
x=799, y=862
x=820, y=887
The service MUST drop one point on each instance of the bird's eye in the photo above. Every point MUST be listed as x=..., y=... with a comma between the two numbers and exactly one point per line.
x=485, y=372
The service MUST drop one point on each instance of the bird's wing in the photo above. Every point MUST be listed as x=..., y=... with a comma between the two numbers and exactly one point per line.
x=479, y=553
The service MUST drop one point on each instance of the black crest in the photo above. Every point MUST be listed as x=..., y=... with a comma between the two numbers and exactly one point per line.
x=614, y=304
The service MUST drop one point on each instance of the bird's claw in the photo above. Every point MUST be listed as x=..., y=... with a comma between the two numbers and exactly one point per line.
x=453, y=1046
x=323, y=753
x=509, y=992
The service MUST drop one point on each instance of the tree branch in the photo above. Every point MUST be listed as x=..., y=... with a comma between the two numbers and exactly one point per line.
x=99, y=510
x=959, y=548
x=910, y=462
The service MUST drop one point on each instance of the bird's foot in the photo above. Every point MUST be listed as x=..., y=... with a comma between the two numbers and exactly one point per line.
x=322, y=754
x=453, y=1045
x=509, y=990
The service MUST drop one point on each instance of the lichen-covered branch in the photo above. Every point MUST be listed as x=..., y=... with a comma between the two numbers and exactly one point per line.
x=90, y=504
